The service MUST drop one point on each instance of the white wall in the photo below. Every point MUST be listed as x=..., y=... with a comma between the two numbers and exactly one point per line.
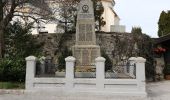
x=118, y=28
x=109, y=16
x=98, y=85
x=51, y=28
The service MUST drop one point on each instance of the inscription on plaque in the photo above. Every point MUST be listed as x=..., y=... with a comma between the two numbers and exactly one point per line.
x=85, y=57
x=82, y=32
x=84, y=16
x=89, y=32
x=93, y=55
x=78, y=55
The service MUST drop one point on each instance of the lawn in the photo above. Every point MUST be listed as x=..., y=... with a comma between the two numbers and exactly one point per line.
x=12, y=85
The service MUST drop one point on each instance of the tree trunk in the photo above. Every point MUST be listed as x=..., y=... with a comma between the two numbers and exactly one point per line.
x=1, y=43
x=1, y=31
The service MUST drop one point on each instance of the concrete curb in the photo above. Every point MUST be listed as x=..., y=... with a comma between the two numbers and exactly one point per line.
x=11, y=91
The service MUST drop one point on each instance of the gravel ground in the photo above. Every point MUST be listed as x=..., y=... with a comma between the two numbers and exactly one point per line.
x=156, y=91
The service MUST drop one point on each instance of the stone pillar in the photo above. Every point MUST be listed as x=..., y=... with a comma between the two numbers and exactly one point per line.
x=100, y=72
x=132, y=67
x=70, y=62
x=30, y=71
x=140, y=73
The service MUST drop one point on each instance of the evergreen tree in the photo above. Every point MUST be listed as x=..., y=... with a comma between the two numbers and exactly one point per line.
x=143, y=46
x=136, y=30
x=19, y=42
x=164, y=24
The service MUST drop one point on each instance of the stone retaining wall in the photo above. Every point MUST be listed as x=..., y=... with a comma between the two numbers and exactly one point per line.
x=115, y=45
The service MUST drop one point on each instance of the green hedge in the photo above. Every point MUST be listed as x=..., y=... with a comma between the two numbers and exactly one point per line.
x=167, y=70
x=12, y=70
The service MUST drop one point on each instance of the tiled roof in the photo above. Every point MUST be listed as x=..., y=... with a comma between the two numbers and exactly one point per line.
x=162, y=39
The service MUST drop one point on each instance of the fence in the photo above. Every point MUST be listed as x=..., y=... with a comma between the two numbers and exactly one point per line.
x=70, y=84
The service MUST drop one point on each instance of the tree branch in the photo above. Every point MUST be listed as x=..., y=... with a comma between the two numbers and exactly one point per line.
x=32, y=17
x=11, y=13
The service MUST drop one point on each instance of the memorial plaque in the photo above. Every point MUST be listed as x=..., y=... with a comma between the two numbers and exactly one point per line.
x=85, y=22
x=85, y=50
x=82, y=32
x=89, y=32
x=77, y=55
x=85, y=57
x=93, y=55
x=85, y=16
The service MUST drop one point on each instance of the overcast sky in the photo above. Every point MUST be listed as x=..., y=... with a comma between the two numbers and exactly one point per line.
x=143, y=13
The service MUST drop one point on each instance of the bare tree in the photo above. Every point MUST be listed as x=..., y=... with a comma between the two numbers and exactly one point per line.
x=34, y=9
x=37, y=10
x=67, y=13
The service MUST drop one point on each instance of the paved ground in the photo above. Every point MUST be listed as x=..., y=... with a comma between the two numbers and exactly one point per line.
x=156, y=91
x=159, y=90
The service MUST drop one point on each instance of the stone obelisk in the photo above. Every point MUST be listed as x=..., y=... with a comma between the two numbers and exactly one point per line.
x=85, y=50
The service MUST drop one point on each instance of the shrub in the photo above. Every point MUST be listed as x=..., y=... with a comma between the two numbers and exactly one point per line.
x=108, y=62
x=61, y=59
x=167, y=70
x=19, y=43
x=12, y=70
x=145, y=49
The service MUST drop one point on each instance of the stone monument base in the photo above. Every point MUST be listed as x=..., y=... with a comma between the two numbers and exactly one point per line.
x=86, y=54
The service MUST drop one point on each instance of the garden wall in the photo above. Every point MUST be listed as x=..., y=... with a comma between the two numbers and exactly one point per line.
x=118, y=46
x=115, y=45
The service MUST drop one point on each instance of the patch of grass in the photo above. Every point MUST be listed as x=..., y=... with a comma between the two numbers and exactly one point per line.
x=11, y=85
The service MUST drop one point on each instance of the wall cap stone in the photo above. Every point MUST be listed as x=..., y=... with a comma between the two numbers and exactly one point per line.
x=132, y=58
x=100, y=59
x=140, y=60
x=31, y=58
x=70, y=59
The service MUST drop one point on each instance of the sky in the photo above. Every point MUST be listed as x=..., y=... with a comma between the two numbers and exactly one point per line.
x=141, y=13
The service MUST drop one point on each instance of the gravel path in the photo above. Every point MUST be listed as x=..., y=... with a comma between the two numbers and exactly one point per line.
x=156, y=91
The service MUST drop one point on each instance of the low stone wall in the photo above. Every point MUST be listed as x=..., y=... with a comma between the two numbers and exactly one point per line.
x=99, y=85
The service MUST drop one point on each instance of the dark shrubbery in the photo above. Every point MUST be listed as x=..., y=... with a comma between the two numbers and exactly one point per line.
x=108, y=62
x=19, y=43
x=145, y=49
x=61, y=59
x=167, y=70
x=12, y=70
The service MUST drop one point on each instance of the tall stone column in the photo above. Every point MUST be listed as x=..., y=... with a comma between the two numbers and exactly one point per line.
x=85, y=51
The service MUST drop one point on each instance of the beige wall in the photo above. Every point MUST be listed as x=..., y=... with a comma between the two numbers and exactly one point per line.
x=109, y=15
